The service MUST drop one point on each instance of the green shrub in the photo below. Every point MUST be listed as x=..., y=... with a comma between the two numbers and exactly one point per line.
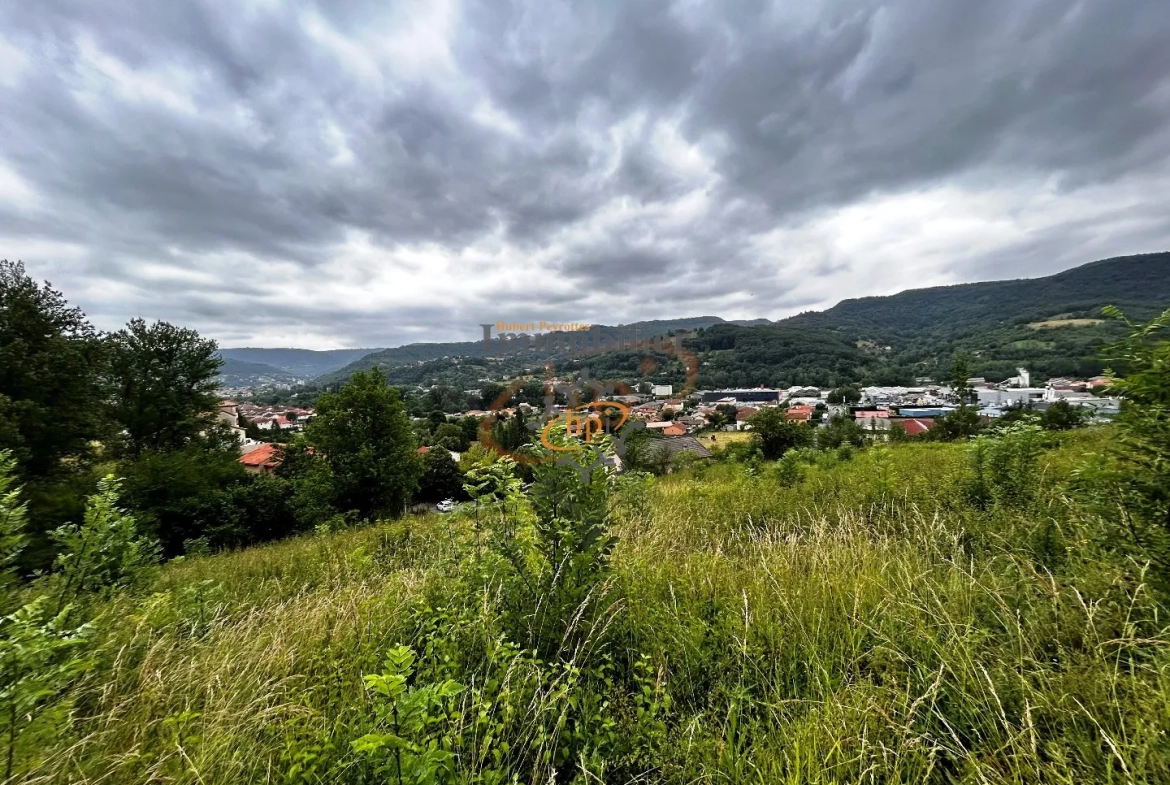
x=1006, y=464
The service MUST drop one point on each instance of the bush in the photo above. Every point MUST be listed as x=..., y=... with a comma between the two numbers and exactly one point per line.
x=1006, y=464
x=1130, y=487
x=775, y=434
x=105, y=552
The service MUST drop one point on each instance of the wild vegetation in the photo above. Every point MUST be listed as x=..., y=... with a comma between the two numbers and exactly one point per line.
x=920, y=612
x=808, y=607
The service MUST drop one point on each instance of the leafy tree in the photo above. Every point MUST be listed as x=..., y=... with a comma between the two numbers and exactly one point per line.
x=839, y=431
x=960, y=373
x=1062, y=416
x=470, y=427
x=1134, y=487
x=105, y=551
x=258, y=509
x=847, y=394
x=185, y=494
x=511, y=432
x=961, y=423
x=50, y=403
x=363, y=435
x=441, y=478
x=162, y=382
x=775, y=434
x=725, y=414
x=490, y=394
x=449, y=436
x=49, y=392
x=310, y=480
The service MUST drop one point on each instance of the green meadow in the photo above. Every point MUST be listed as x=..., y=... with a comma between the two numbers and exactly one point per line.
x=900, y=613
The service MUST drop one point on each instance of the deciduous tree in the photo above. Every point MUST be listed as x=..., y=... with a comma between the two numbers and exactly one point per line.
x=363, y=435
x=162, y=381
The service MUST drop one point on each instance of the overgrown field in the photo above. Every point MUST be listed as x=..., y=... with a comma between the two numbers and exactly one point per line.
x=883, y=615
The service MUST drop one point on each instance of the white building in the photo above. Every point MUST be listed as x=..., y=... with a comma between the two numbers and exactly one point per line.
x=1063, y=393
x=666, y=390
x=1009, y=397
x=1023, y=379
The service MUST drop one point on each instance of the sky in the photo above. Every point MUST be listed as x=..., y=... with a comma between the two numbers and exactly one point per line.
x=366, y=174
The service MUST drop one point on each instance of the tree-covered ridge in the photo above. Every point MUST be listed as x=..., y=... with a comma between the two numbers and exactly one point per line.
x=1050, y=324
x=1137, y=284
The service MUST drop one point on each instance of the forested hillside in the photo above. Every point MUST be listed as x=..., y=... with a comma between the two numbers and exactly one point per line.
x=233, y=372
x=300, y=363
x=1052, y=325
x=415, y=353
x=1140, y=284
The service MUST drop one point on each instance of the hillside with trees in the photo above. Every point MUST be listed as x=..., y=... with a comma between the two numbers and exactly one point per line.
x=1052, y=324
x=983, y=603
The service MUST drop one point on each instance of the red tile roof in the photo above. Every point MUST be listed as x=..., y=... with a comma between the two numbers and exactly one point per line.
x=264, y=456
x=915, y=427
x=674, y=430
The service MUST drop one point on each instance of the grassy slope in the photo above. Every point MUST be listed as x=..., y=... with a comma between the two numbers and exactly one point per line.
x=864, y=625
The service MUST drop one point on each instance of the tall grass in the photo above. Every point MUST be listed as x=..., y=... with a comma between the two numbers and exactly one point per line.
x=863, y=624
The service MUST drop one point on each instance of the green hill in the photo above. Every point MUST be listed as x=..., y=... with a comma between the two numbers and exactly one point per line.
x=862, y=622
x=420, y=353
x=238, y=373
x=300, y=363
x=1137, y=283
x=1051, y=325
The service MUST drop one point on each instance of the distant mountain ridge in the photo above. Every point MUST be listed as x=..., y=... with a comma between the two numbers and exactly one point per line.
x=1131, y=282
x=302, y=364
x=1138, y=284
x=881, y=338
x=423, y=352
x=238, y=373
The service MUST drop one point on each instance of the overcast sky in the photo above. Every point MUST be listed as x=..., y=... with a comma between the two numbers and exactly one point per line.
x=359, y=174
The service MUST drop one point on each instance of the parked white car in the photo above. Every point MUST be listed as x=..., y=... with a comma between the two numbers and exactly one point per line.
x=447, y=505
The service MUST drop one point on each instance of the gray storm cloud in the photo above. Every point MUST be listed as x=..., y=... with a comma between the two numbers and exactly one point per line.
x=365, y=174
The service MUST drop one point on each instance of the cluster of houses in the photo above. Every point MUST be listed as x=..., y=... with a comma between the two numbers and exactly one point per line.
x=878, y=409
x=678, y=419
x=287, y=418
x=257, y=456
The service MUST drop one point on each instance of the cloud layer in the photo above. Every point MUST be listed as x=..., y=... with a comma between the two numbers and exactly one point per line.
x=353, y=173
